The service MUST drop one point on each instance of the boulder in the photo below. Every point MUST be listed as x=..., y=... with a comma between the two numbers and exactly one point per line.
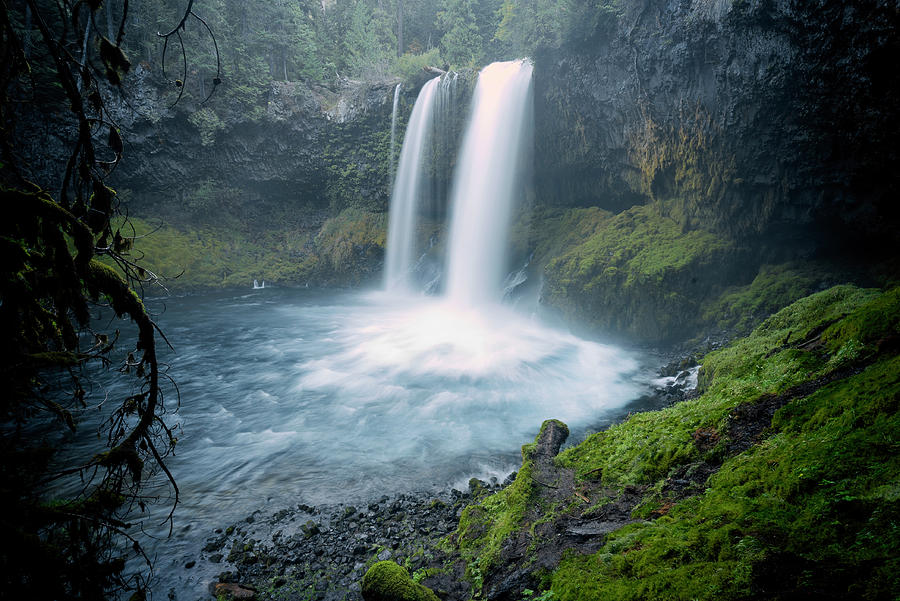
x=387, y=581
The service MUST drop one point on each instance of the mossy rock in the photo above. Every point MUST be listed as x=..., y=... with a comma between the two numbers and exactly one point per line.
x=813, y=500
x=387, y=581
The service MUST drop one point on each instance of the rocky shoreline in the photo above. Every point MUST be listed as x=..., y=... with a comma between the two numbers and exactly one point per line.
x=321, y=553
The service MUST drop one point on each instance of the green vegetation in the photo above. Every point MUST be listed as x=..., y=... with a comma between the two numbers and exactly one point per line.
x=638, y=273
x=797, y=423
x=345, y=251
x=648, y=445
x=484, y=526
x=739, y=309
x=531, y=27
x=387, y=581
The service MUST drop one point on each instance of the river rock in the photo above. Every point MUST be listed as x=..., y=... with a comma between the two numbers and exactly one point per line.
x=230, y=590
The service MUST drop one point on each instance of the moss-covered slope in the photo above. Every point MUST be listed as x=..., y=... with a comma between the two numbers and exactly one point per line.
x=780, y=481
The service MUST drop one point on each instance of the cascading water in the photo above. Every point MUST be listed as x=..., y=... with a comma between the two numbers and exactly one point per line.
x=407, y=190
x=350, y=396
x=394, y=129
x=487, y=179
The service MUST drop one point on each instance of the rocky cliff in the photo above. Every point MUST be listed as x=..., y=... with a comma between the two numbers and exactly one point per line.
x=293, y=190
x=745, y=117
x=768, y=124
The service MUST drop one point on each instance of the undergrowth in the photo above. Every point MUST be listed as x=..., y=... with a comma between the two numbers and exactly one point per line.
x=808, y=510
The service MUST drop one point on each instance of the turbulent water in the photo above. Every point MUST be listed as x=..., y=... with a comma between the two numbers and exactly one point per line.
x=302, y=396
x=297, y=396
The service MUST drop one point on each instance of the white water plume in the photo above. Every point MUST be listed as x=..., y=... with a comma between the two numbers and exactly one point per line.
x=394, y=130
x=487, y=180
x=407, y=191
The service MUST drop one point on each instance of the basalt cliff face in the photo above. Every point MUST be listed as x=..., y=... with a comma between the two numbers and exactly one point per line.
x=289, y=151
x=743, y=117
x=769, y=125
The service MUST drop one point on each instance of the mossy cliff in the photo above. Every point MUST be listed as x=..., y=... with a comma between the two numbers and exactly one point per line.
x=294, y=191
x=339, y=251
x=638, y=274
x=749, y=138
x=780, y=481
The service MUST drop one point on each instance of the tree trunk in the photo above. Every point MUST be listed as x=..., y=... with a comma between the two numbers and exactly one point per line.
x=110, y=30
x=400, y=45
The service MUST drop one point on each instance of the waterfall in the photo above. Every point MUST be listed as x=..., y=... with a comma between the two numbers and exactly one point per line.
x=407, y=190
x=444, y=141
x=487, y=180
x=394, y=130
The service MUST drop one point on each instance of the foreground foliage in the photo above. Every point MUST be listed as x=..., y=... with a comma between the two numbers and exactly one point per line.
x=791, y=461
x=70, y=524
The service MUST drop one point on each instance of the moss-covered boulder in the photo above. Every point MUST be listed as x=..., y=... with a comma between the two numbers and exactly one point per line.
x=387, y=581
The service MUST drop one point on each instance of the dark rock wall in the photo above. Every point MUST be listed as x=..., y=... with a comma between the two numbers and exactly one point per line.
x=308, y=137
x=771, y=119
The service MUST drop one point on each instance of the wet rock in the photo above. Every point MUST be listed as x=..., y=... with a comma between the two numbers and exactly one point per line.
x=551, y=437
x=230, y=590
x=332, y=561
x=310, y=528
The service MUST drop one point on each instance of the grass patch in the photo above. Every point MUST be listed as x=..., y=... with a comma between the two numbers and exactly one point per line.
x=346, y=250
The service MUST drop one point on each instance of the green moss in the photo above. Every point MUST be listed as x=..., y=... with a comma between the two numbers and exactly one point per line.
x=346, y=250
x=485, y=525
x=648, y=445
x=208, y=124
x=638, y=273
x=812, y=507
x=352, y=237
x=764, y=361
x=866, y=329
x=387, y=581
x=740, y=309
x=547, y=233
